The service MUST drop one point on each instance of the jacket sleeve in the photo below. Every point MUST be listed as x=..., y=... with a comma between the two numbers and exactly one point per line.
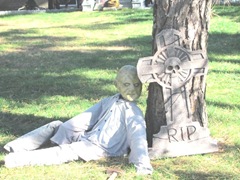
x=86, y=120
x=136, y=135
x=73, y=129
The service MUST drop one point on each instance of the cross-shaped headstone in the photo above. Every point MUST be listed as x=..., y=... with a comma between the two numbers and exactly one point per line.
x=172, y=67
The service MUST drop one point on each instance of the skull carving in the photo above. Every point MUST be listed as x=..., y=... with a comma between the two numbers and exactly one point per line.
x=172, y=65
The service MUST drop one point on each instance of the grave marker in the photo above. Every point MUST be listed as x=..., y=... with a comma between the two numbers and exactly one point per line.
x=172, y=67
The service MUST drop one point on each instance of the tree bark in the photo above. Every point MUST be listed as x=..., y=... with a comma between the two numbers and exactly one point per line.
x=191, y=18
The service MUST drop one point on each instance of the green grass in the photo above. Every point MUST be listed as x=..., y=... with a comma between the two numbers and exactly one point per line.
x=55, y=65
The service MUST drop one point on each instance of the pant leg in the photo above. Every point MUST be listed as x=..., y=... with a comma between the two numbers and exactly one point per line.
x=48, y=156
x=33, y=139
x=82, y=150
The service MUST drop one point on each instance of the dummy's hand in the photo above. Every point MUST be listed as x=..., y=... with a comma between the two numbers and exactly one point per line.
x=144, y=171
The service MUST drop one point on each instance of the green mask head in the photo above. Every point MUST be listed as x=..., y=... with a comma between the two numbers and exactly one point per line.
x=128, y=83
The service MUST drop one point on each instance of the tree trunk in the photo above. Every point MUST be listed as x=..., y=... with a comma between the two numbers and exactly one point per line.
x=191, y=19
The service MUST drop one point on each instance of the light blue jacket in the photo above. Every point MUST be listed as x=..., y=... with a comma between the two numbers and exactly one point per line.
x=111, y=127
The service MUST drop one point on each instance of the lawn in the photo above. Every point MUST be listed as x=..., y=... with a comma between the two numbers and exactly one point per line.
x=55, y=65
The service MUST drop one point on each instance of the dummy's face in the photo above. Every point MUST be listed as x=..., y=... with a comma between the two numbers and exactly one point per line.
x=129, y=86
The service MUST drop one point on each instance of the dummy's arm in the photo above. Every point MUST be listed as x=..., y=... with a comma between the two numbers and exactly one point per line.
x=73, y=129
x=37, y=137
x=138, y=145
x=87, y=119
x=33, y=139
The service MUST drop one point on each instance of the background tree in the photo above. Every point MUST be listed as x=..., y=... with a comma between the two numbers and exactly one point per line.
x=191, y=18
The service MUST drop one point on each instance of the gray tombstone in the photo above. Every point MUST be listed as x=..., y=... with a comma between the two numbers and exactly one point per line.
x=126, y=3
x=137, y=3
x=89, y=5
x=172, y=66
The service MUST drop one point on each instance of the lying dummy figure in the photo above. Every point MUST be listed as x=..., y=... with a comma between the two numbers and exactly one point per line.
x=110, y=128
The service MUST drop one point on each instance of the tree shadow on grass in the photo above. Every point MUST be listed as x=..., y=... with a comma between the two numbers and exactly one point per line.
x=230, y=72
x=36, y=48
x=204, y=175
x=229, y=60
x=18, y=125
x=37, y=71
x=224, y=44
x=223, y=105
x=28, y=87
x=232, y=12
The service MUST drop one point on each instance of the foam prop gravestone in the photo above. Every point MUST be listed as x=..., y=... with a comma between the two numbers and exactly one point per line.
x=172, y=67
